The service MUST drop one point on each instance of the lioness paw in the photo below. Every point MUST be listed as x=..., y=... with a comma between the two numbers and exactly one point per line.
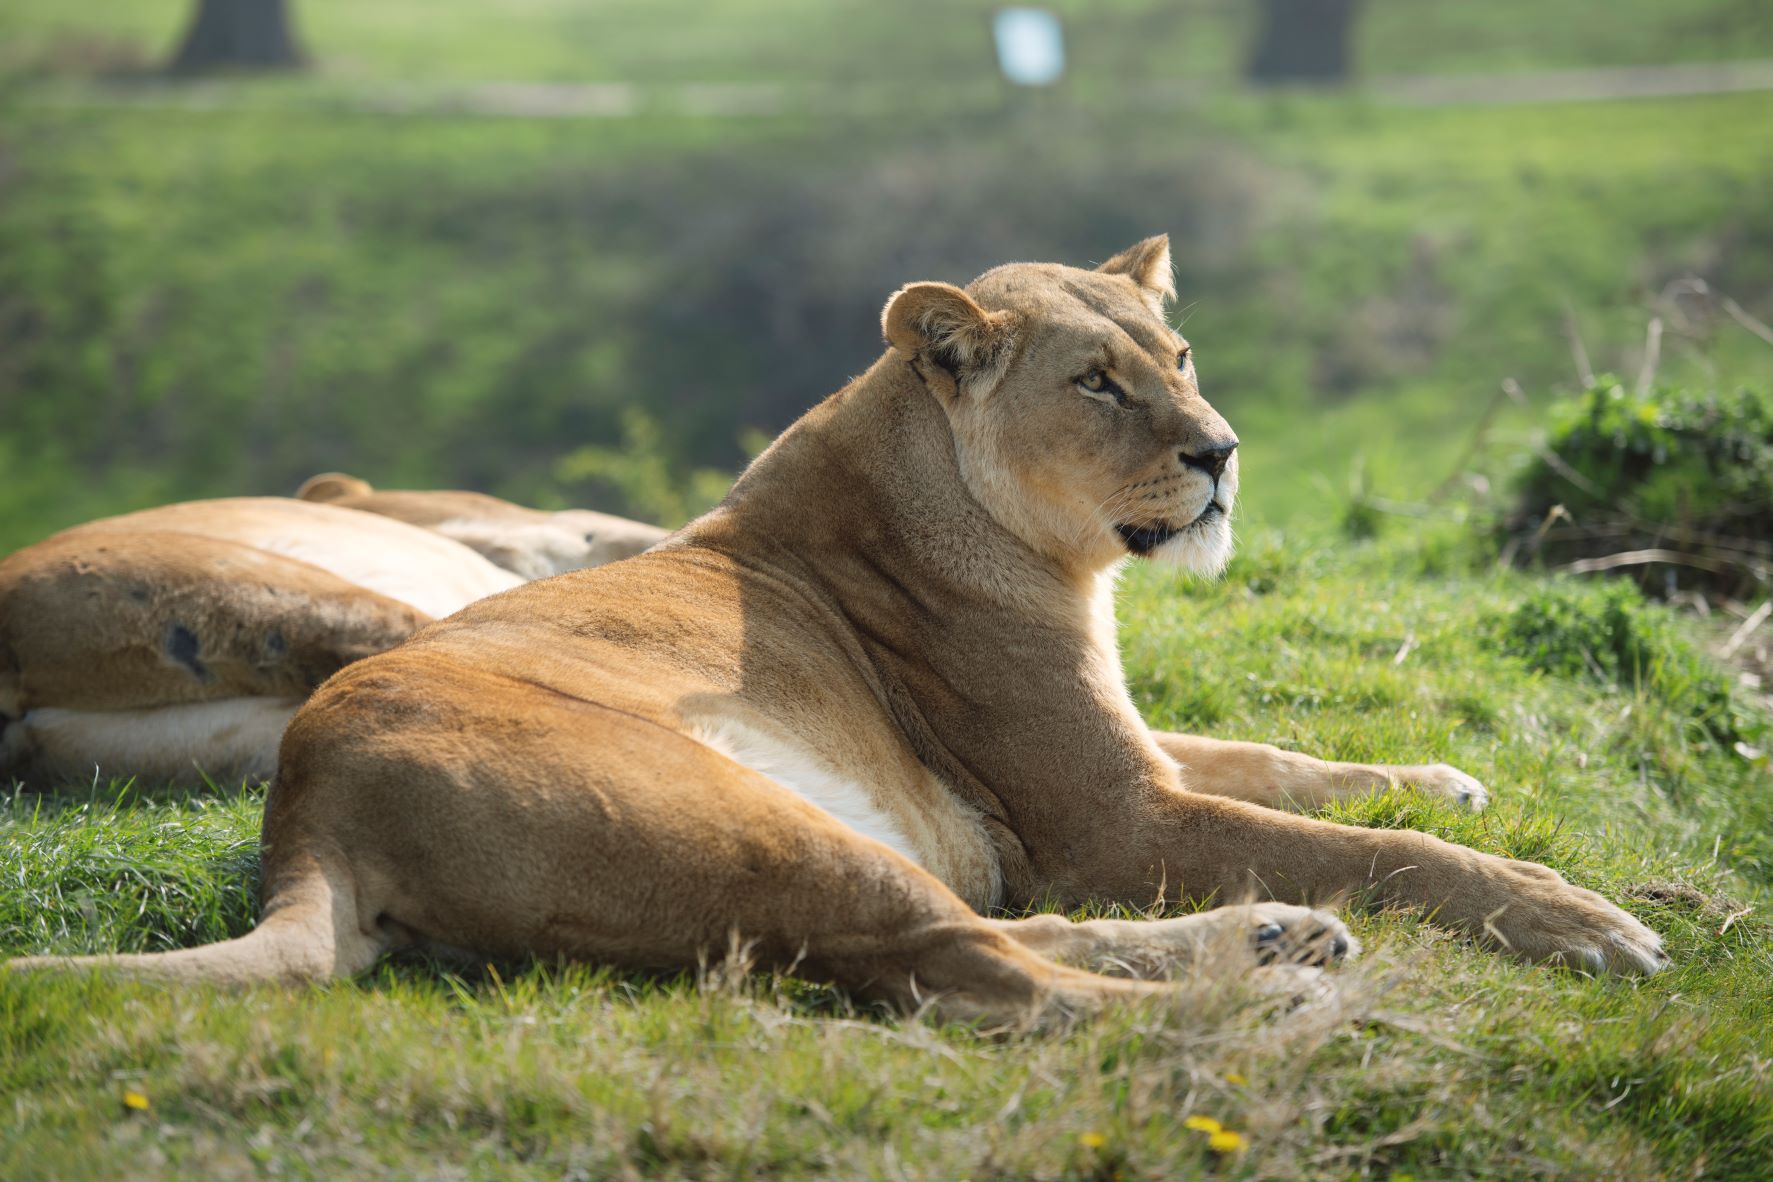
x=1285, y=934
x=1440, y=779
x=1253, y=934
x=1553, y=921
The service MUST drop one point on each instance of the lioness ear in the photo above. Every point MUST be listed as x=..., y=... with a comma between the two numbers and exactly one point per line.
x=1146, y=263
x=332, y=486
x=941, y=322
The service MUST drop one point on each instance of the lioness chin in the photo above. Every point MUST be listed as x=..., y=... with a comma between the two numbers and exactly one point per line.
x=873, y=693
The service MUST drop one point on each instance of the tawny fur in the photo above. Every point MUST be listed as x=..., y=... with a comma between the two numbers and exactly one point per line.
x=166, y=644
x=533, y=543
x=910, y=585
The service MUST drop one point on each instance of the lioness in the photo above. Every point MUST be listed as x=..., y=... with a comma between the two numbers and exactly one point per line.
x=873, y=693
x=176, y=642
x=533, y=543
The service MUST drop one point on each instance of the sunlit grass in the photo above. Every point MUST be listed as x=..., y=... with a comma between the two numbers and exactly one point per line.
x=1434, y=1058
x=282, y=289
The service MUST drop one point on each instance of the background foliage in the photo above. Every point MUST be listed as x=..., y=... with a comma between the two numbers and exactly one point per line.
x=224, y=290
x=1686, y=473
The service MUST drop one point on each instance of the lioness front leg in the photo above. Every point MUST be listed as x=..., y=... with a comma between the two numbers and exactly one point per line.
x=1253, y=935
x=1279, y=779
x=1226, y=849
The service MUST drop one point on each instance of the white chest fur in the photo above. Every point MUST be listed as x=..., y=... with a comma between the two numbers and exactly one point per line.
x=904, y=808
x=801, y=773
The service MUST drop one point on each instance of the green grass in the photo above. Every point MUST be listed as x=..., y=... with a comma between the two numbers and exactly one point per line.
x=203, y=303
x=1434, y=1059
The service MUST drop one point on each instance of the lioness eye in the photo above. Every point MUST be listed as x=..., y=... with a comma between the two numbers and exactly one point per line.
x=1096, y=382
x=1182, y=358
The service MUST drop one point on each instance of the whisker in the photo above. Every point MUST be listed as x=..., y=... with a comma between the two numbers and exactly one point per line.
x=1076, y=534
x=1121, y=499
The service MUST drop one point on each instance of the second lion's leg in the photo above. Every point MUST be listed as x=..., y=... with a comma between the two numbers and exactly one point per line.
x=1269, y=776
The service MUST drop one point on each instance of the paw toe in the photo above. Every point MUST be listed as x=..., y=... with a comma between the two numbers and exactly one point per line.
x=1293, y=984
x=1465, y=791
x=1636, y=954
x=1303, y=937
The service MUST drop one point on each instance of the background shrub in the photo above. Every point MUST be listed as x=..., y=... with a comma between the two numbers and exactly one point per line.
x=1685, y=473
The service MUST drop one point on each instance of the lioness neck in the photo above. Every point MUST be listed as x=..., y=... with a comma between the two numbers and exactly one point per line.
x=865, y=493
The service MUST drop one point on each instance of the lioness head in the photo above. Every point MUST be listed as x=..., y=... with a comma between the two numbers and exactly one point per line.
x=333, y=486
x=1076, y=415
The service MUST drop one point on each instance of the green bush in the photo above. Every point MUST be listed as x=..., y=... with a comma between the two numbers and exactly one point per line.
x=1662, y=454
x=641, y=477
x=1603, y=630
x=1665, y=469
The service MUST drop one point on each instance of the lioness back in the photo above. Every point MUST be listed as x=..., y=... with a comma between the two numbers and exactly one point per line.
x=534, y=543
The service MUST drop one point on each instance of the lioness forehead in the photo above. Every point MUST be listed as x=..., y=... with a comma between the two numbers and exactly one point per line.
x=1072, y=297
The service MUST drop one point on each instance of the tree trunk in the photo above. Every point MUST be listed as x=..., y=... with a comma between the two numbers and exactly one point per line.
x=1303, y=41
x=238, y=34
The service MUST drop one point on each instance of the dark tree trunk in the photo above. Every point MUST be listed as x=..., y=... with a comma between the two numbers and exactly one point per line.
x=238, y=34
x=1303, y=41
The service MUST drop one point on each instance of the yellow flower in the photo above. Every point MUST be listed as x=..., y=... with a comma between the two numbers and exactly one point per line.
x=1202, y=1124
x=1226, y=1141
x=135, y=1100
x=1092, y=1140
x=1232, y=1077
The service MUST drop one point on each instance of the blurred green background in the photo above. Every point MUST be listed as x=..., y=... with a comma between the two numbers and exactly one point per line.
x=579, y=252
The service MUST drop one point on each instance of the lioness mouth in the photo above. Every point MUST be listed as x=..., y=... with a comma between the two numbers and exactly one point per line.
x=1143, y=539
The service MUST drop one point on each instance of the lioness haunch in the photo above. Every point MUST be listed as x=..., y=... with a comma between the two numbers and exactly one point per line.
x=871, y=694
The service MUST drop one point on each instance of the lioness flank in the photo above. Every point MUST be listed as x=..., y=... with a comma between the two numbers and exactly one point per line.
x=873, y=693
x=173, y=644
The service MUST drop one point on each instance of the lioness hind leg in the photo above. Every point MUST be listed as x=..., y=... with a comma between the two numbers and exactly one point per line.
x=546, y=825
x=1268, y=776
x=1247, y=936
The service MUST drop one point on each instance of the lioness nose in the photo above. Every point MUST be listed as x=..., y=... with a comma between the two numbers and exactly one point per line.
x=1210, y=459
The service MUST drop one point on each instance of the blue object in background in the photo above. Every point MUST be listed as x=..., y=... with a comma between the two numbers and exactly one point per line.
x=1030, y=45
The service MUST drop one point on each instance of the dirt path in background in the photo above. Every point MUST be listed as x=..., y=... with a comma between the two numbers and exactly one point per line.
x=619, y=100
x=1575, y=86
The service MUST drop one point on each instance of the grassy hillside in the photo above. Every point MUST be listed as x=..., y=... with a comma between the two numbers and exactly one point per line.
x=198, y=303
x=225, y=290
x=1432, y=1059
